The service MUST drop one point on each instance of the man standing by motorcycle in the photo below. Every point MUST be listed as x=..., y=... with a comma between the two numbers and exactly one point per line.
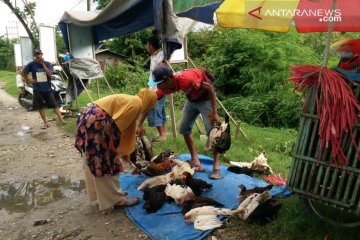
x=43, y=96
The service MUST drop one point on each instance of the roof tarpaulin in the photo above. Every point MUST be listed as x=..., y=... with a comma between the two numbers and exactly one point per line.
x=85, y=68
x=121, y=18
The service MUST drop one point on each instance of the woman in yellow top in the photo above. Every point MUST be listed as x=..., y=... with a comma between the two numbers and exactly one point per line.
x=106, y=130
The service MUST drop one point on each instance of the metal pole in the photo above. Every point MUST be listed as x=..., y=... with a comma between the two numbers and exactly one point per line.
x=328, y=36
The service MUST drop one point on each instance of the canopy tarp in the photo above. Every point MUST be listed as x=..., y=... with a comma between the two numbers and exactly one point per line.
x=121, y=18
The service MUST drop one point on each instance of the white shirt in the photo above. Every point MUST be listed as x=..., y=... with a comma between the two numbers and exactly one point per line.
x=155, y=60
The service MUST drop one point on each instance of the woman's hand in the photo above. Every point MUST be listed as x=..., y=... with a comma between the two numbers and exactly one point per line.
x=140, y=130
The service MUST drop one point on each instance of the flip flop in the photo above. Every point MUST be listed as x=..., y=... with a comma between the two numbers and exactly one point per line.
x=128, y=203
x=197, y=168
x=44, y=127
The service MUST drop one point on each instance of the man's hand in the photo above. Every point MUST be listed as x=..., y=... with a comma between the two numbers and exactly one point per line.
x=40, y=60
x=33, y=81
x=214, y=117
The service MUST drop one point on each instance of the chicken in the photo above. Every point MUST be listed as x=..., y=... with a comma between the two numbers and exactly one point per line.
x=183, y=166
x=244, y=193
x=154, y=169
x=199, y=201
x=259, y=164
x=244, y=170
x=142, y=151
x=178, y=193
x=265, y=212
x=158, y=180
x=219, y=137
x=196, y=185
x=154, y=198
x=207, y=222
x=161, y=157
x=248, y=206
x=258, y=208
x=206, y=210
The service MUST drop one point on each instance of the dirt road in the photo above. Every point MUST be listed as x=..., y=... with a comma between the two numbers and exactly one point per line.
x=41, y=179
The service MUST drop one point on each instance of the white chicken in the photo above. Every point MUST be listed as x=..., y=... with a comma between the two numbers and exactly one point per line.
x=207, y=222
x=178, y=193
x=205, y=218
x=191, y=215
x=183, y=166
x=259, y=163
x=157, y=180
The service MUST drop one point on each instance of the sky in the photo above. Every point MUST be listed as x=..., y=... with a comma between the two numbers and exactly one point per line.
x=47, y=12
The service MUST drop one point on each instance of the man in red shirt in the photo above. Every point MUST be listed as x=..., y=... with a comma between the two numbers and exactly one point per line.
x=201, y=99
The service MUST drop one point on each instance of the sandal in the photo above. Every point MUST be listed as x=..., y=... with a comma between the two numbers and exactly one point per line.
x=215, y=174
x=44, y=126
x=128, y=203
x=197, y=168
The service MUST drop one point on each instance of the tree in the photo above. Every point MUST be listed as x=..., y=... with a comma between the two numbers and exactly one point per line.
x=101, y=4
x=6, y=54
x=26, y=18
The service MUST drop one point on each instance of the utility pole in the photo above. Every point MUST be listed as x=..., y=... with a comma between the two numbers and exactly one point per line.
x=7, y=33
x=88, y=5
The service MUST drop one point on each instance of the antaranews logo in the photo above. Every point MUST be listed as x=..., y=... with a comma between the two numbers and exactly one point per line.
x=256, y=13
x=275, y=9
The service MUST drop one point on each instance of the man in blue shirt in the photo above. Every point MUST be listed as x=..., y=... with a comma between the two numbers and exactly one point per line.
x=43, y=96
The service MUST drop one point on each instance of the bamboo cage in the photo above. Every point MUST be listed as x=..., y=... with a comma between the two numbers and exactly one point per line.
x=320, y=179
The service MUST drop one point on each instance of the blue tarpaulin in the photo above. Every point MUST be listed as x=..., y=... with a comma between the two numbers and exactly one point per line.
x=168, y=222
x=121, y=18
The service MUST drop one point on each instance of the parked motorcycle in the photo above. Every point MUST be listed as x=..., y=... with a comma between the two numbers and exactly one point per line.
x=26, y=92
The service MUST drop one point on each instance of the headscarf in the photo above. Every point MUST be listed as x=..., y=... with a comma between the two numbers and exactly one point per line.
x=148, y=98
x=125, y=110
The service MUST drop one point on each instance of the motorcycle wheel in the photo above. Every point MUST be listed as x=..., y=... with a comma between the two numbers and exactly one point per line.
x=331, y=215
x=27, y=107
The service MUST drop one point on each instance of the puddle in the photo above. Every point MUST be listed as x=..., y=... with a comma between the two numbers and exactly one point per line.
x=21, y=197
x=41, y=136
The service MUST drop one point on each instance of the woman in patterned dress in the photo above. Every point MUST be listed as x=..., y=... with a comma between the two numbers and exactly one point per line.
x=106, y=131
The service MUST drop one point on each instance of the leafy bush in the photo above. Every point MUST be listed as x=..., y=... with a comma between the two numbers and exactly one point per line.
x=249, y=62
x=279, y=108
x=126, y=78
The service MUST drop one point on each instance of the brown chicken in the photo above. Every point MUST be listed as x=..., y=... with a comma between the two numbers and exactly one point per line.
x=161, y=157
x=155, y=169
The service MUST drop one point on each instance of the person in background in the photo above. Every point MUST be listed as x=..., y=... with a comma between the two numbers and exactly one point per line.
x=106, y=131
x=201, y=99
x=156, y=116
x=43, y=96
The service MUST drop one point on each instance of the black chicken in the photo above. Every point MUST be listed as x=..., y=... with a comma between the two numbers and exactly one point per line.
x=161, y=157
x=244, y=193
x=265, y=212
x=245, y=170
x=196, y=185
x=219, y=138
x=154, y=198
x=199, y=201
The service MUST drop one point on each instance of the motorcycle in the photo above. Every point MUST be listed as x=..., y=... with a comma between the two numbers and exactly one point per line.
x=25, y=97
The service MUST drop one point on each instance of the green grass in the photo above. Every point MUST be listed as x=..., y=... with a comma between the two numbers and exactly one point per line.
x=277, y=144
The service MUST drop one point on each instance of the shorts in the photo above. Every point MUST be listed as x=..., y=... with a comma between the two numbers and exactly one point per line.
x=190, y=113
x=43, y=99
x=157, y=116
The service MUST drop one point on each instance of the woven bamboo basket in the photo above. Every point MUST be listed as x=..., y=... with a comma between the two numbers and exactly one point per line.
x=320, y=179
